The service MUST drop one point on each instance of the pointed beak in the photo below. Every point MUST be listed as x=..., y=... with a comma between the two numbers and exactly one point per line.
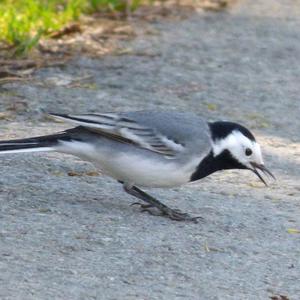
x=262, y=168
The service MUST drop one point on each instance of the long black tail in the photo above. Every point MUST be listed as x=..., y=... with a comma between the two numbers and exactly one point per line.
x=34, y=144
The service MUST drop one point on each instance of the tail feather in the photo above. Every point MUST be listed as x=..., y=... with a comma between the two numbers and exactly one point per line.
x=35, y=144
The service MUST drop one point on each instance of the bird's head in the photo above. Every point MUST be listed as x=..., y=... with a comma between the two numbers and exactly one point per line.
x=235, y=147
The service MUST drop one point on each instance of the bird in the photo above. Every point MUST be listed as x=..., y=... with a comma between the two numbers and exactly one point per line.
x=151, y=149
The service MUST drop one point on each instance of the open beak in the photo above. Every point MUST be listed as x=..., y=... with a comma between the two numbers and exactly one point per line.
x=262, y=168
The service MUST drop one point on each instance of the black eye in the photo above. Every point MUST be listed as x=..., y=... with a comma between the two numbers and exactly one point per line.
x=248, y=151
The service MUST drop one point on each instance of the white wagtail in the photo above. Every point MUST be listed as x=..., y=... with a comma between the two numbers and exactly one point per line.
x=151, y=149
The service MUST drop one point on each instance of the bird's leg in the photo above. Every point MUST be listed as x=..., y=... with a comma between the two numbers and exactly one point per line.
x=152, y=202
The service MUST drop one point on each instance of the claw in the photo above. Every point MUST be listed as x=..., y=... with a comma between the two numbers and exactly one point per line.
x=177, y=215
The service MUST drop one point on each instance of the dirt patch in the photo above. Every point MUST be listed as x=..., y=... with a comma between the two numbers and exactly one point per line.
x=97, y=35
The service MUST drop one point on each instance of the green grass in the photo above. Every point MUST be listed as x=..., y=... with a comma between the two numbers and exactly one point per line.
x=24, y=22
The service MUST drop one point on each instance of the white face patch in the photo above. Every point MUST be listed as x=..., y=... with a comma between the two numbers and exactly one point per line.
x=236, y=143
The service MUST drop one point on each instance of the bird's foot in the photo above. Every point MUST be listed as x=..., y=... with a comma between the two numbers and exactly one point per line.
x=177, y=215
x=173, y=214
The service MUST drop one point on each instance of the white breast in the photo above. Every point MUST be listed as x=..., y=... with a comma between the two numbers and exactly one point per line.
x=144, y=171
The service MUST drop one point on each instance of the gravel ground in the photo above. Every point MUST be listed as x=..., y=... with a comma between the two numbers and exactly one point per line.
x=76, y=237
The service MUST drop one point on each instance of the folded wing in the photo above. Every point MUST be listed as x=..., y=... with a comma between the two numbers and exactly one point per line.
x=123, y=129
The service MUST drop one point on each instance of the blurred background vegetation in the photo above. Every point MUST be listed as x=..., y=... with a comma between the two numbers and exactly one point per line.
x=24, y=22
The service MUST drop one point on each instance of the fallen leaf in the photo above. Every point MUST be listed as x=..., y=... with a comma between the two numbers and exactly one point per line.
x=5, y=115
x=92, y=173
x=71, y=28
x=211, y=106
x=72, y=173
x=293, y=230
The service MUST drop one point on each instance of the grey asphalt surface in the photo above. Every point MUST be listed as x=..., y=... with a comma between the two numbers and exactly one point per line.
x=76, y=237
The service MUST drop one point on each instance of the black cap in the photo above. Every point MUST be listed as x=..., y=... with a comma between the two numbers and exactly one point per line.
x=220, y=130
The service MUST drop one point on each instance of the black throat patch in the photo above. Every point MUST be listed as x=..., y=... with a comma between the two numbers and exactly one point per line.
x=211, y=164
